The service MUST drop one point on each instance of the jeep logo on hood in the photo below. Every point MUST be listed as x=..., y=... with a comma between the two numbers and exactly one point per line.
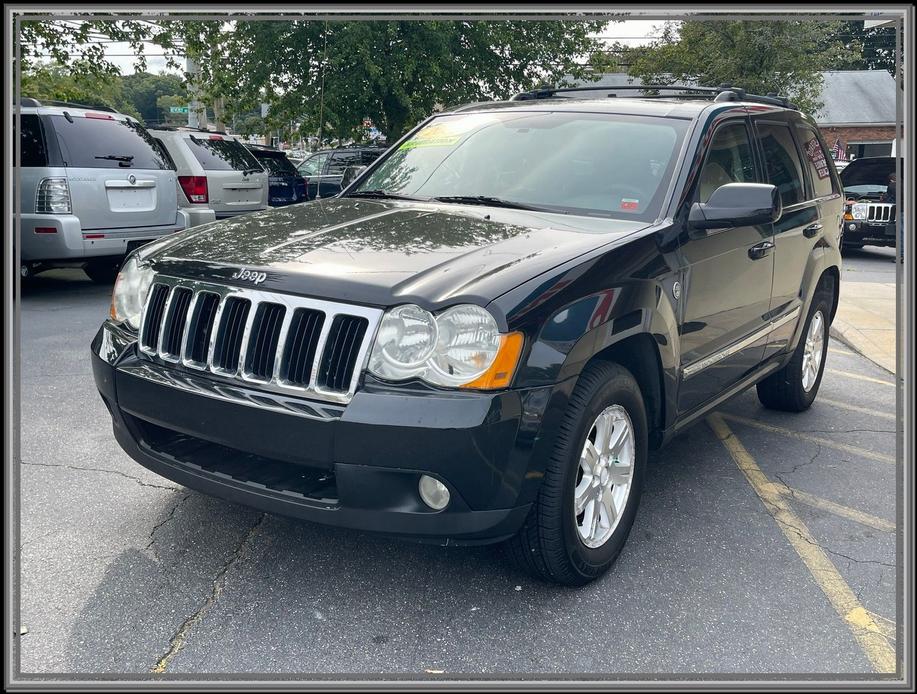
x=249, y=276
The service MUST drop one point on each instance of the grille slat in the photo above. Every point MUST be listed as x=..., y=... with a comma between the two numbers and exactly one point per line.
x=262, y=348
x=174, y=325
x=202, y=328
x=302, y=341
x=230, y=334
x=338, y=358
x=308, y=346
x=156, y=304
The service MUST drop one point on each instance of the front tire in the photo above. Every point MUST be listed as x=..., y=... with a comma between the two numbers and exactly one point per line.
x=794, y=387
x=592, y=485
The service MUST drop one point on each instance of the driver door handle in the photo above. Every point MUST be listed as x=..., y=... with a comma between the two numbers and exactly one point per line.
x=812, y=230
x=760, y=250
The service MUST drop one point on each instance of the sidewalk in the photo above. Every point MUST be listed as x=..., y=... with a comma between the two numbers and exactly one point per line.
x=866, y=321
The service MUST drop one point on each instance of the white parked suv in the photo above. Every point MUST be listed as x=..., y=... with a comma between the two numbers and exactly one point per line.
x=217, y=176
x=93, y=186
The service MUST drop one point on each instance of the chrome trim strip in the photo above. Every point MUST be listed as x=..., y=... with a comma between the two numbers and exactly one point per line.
x=192, y=383
x=290, y=303
x=696, y=367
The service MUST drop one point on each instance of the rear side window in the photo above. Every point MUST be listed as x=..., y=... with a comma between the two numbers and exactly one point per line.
x=106, y=143
x=276, y=164
x=341, y=160
x=368, y=156
x=222, y=155
x=313, y=165
x=729, y=160
x=32, y=142
x=782, y=162
x=817, y=160
x=165, y=153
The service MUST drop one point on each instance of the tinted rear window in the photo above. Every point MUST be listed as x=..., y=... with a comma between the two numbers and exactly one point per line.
x=370, y=155
x=276, y=164
x=32, y=142
x=103, y=143
x=222, y=155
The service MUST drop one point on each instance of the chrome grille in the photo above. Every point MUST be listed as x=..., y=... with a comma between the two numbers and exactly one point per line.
x=880, y=213
x=282, y=343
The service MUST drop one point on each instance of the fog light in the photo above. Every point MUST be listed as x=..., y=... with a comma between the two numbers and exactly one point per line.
x=433, y=492
x=851, y=227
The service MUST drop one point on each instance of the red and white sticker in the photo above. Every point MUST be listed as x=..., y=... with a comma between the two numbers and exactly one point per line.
x=629, y=204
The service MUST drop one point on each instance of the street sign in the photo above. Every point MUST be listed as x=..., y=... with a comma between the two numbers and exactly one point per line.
x=178, y=109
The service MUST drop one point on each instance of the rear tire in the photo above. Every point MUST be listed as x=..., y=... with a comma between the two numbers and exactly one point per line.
x=557, y=544
x=795, y=386
x=102, y=272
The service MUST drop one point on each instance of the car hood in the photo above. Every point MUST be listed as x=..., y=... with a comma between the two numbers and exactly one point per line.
x=868, y=171
x=384, y=252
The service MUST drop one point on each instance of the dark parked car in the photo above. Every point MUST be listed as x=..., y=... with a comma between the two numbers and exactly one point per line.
x=870, y=213
x=485, y=334
x=285, y=185
x=325, y=169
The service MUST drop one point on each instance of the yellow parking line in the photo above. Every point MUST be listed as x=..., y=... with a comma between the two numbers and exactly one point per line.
x=835, y=350
x=887, y=626
x=860, y=377
x=833, y=507
x=827, y=443
x=856, y=408
x=861, y=624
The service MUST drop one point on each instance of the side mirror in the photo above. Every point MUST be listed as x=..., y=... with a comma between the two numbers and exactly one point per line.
x=737, y=204
x=350, y=173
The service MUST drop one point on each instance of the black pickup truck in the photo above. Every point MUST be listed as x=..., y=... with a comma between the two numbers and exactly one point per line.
x=484, y=334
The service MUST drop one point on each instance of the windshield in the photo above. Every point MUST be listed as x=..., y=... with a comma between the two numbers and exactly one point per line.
x=576, y=163
x=276, y=164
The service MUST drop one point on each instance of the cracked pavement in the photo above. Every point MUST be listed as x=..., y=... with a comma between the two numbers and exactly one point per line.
x=125, y=572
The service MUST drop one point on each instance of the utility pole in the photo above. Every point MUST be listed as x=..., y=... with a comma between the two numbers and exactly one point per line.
x=197, y=112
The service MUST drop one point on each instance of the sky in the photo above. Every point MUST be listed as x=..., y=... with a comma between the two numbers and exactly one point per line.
x=634, y=32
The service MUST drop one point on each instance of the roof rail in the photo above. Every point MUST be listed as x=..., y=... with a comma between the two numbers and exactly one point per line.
x=725, y=92
x=30, y=101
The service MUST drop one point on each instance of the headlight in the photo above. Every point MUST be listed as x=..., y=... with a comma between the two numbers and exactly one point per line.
x=461, y=347
x=130, y=292
x=859, y=210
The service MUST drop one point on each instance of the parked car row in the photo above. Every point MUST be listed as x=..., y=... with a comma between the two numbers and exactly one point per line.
x=95, y=184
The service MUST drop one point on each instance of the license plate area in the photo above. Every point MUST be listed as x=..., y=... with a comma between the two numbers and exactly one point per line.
x=131, y=199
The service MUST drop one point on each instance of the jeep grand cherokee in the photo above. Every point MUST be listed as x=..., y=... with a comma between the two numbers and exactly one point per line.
x=484, y=334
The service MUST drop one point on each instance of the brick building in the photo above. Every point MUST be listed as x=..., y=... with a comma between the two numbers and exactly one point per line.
x=858, y=112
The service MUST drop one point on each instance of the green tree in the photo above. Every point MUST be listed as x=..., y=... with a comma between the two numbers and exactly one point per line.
x=58, y=83
x=330, y=76
x=869, y=49
x=784, y=56
x=145, y=90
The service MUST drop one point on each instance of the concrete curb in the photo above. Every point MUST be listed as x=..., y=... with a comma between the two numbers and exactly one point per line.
x=848, y=336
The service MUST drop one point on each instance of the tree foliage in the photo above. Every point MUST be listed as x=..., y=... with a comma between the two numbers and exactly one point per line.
x=331, y=75
x=869, y=49
x=150, y=94
x=54, y=82
x=785, y=56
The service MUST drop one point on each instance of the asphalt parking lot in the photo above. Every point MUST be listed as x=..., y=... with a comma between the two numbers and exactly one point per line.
x=765, y=543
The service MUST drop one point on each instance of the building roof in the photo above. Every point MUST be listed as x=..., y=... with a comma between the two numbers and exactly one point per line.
x=849, y=97
x=857, y=97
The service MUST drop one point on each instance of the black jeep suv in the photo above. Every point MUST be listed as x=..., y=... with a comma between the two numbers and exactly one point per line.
x=482, y=336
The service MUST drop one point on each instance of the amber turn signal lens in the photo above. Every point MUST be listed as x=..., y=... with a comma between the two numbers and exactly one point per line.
x=500, y=373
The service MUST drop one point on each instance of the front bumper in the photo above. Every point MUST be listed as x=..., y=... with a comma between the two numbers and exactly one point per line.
x=860, y=232
x=355, y=466
x=69, y=242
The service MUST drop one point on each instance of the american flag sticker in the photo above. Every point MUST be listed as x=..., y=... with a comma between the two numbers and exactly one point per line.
x=629, y=204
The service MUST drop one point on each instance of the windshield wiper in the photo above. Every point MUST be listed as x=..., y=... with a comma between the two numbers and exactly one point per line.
x=382, y=194
x=491, y=201
x=118, y=157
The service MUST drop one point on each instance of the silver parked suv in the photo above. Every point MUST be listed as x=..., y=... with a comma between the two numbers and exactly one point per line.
x=94, y=186
x=217, y=176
